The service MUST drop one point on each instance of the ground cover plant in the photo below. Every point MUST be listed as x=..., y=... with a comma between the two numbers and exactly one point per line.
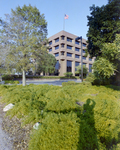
x=74, y=116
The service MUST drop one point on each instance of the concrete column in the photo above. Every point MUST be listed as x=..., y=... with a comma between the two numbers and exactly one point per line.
x=62, y=67
x=73, y=68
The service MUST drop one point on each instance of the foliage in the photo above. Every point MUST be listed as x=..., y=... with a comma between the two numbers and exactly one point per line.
x=63, y=123
x=7, y=77
x=68, y=74
x=90, y=77
x=103, y=68
x=23, y=34
x=103, y=38
x=48, y=65
x=69, y=83
x=85, y=70
x=107, y=64
x=104, y=24
x=11, y=82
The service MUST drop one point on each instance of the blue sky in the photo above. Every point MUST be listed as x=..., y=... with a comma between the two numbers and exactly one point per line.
x=54, y=11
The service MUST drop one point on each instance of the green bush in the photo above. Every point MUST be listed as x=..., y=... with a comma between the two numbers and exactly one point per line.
x=64, y=123
x=90, y=77
x=7, y=77
x=69, y=83
x=68, y=74
x=11, y=82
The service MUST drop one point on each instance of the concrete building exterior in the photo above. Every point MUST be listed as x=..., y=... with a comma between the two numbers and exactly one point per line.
x=67, y=51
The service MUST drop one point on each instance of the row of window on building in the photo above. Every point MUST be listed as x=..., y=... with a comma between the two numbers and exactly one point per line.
x=70, y=55
x=68, y=47
x=69, y=65
x=68, y=39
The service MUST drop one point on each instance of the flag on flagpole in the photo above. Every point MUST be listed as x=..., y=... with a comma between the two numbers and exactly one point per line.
x=66, y=16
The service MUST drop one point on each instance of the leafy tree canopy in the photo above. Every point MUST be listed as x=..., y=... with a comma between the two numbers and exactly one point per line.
x=23, y=36
x=85, y=70
x=48, y=65
x=109, y=62
x=104, y=24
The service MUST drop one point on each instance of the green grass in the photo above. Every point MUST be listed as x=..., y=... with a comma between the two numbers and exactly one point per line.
x=65, y=124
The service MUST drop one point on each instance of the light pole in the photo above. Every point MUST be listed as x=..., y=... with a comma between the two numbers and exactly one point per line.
x=78, y=38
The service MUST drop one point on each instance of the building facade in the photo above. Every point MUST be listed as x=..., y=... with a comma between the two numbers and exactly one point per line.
x=67, y=52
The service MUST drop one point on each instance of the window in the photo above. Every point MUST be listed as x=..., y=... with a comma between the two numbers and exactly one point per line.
x=90, y=67
x=77, y=56
x=56, y=40
x=84, y=57
x=57, y=66
x=56, y=54
x=77, y=49
x=76, y=42
x=62, y=37
x=50, y=49
x=62, y=53
x=90, y=59
x=56, y=47
x=76, y=64
x=84, y=45
x=69, y=66
x=62, y=45
x=69, y=39
x=69, y=54
x=69, y=47
x=84, y=51
x=50, y=43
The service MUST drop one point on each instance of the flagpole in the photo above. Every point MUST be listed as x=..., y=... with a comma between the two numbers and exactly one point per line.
x=64, y=23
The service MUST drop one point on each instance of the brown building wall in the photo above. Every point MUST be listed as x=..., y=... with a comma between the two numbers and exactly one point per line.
x=56, y=47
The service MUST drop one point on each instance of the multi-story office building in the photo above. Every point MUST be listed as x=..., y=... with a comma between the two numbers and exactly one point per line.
x=68, y=52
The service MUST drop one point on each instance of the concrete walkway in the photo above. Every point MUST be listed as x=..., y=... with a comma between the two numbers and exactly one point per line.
x=49, y=81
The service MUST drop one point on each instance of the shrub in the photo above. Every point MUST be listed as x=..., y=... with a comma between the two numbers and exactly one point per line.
x=11, y=82
x=7, y=77
x=68, y=74
x=90, y=77
x=69, y=83
x=64, y=123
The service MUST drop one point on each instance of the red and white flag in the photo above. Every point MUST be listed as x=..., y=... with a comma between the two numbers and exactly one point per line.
x=66, y=16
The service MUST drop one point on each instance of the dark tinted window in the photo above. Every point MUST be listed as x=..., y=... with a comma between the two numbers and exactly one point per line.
x=77, y=49
x=56, y=54
x=56, y=40
x=57, y=47
x=69, y=54
x=69, y=47
x=77, y=56
x=90, y=67
x=69, y=66
x=69, y=39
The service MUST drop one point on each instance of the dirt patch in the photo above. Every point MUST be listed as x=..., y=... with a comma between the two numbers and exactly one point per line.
x=18, y=136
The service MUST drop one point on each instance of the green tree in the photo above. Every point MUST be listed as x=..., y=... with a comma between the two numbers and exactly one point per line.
x=85, y=70
x=104, y=24
x=108, y=64
x=24, y=34
x=47, y=65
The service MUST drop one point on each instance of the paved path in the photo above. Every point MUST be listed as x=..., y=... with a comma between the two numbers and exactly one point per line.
x=50, y=82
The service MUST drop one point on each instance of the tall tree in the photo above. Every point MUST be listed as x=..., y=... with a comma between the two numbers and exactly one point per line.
x=109, y=62
x=104, y=24
x=25, y=32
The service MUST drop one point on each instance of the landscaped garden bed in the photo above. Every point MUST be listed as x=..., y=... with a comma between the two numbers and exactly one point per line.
x=74, y=116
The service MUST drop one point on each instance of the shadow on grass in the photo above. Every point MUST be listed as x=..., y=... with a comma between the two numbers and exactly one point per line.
x=87, y=133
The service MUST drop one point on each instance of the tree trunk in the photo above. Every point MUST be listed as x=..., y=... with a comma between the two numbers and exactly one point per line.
x=23, y=78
